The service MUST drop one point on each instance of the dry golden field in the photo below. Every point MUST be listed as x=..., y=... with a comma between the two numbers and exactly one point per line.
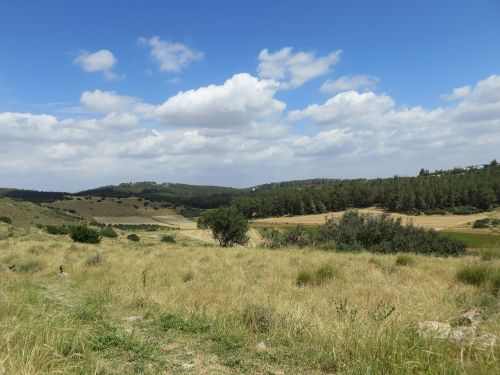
x=437, y=222
x=194, y=308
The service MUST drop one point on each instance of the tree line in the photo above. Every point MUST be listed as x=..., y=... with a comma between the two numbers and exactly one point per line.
x=471, y=190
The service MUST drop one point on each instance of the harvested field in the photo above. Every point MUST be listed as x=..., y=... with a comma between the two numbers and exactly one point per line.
x=177, y=221
x=437, y=222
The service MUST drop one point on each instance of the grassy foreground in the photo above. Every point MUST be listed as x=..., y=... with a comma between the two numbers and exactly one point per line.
x=153, y=307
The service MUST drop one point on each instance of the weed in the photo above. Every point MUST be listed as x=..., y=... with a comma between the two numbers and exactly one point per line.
x=188, y=276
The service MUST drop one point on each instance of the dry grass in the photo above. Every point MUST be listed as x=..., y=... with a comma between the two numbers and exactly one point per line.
x=76, y=324
x=438, y=222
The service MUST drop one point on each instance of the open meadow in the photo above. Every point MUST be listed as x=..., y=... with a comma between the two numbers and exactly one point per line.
x=191, y=307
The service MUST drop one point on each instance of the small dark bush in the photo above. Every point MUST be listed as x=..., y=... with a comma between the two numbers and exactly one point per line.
x=133, y=237
x=257, y=318
x=168, y=238
x=58, y=229
x=298, y=236
x=94, y=260
x=6, y=219
x=84, y=234
x=108, y=232
x=188, y=276
x=404, y=260
x=322, y=274
x=481, y=223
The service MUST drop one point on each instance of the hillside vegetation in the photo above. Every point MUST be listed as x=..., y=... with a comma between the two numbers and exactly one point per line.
x=154, y=307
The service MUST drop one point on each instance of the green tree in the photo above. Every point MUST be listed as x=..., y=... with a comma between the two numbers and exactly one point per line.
x=228, y=225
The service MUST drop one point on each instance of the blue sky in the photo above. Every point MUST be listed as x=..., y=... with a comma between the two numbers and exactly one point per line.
x=313, y=89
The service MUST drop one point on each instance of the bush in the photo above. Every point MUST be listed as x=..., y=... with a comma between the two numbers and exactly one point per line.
x=257, y=318
x=84, y=234
x=228, y=225
x=6, y=219
x=94, y=260
x=57, y=229
x=481, y=223
x=133, y=237
x=168, y=238
x=188, y=276
x=322, y=274
x=355, y=231
x=404, y=260
x=298, y=236
x=108, y=232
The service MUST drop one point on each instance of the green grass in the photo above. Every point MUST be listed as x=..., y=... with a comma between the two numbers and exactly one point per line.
x=476, y=240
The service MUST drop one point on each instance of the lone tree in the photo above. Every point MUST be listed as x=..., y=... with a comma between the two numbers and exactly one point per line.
x=228, y=225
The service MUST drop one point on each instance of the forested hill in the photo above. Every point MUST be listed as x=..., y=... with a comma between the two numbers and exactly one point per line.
x=197, y=196
x=460, y=191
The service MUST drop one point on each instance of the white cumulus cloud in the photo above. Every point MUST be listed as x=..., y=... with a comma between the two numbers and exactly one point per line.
x=171, y=56
x=293, y=69
x=236, y=103
x=458, y=93
x=99, y=61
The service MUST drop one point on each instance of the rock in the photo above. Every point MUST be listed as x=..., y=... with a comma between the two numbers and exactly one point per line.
x=188, y=366
x=486, y=340
x=446, y=331
x=472, y=317
x=131, y=318
x=435, y=329
x=261, y=346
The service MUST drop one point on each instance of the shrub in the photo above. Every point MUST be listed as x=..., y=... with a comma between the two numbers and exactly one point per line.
x=257, y=318
x=355, y=231
x=30, y=266
x=6, y=219
x=57, y=229
x=133, y=237
x=322, y=274
x=481, y=223
x=84, y=234
x=475, y=274
x=168, y=238
x=108, y=232
x=188, y=276
x=298, y=236
x=404, y=260
x=94, y=260
x=229, y=226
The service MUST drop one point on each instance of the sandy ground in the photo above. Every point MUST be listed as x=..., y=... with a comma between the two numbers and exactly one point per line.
x=437, y=222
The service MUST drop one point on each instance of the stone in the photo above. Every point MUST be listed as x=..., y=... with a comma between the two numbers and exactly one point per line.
x=472, y=317
x=261, y=346
x=188, y=366
x=131, y=318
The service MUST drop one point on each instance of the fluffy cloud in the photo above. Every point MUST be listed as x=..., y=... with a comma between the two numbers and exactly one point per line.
x=234, y=104
x=99, y=61
x=237, y=133
x=171, y=56
x=294, y=69
x=109, y=102
x=346, y=83
x=458, y=93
